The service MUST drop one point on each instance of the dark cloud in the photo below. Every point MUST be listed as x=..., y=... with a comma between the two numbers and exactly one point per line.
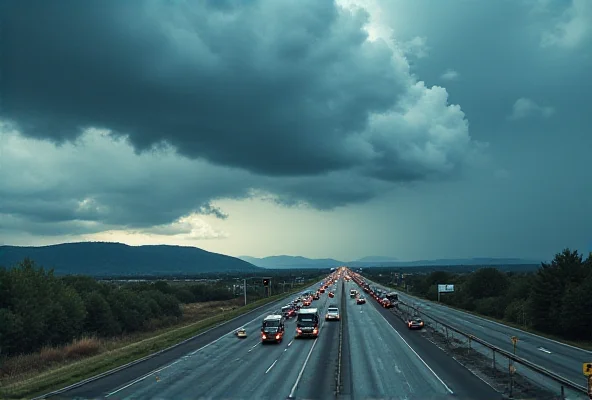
x=279, y=88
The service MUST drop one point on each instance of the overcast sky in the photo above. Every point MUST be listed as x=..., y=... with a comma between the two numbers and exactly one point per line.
x=415, y=129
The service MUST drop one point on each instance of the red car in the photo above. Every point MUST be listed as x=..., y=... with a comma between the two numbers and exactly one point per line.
x=331, y=294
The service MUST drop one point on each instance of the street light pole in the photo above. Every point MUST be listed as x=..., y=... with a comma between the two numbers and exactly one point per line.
x=245, y=289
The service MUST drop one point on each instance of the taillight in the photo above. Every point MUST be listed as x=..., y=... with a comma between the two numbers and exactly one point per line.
x=298, y=330
x=263, y=336
x=315, y=331
x=277, y=337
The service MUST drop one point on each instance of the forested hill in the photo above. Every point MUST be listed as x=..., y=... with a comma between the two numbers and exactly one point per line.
x=100, y=259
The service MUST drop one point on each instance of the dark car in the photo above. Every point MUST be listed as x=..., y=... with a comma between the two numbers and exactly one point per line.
x=361, y=300
x=415, y=322
x=288, y=311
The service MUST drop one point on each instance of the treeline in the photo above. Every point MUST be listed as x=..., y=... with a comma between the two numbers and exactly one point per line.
x=555, y=299
x=38, y=309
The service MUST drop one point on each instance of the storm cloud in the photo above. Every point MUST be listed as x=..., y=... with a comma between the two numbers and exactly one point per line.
x=151, y=117
x=278, y=88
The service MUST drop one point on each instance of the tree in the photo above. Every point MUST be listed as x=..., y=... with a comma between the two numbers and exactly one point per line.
x=549, y=287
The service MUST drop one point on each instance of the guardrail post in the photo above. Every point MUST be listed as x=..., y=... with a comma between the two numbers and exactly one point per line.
x=469, y=348
x=511, y=378
x=493, y=363
x=562, y=392
x=446, y=329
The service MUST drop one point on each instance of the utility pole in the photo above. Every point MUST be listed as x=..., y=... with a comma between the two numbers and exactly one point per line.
x=245, y=289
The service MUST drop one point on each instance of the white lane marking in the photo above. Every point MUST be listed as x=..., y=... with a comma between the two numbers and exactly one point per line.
x=170, y=365
x=142, y=378
x=251, y=349
x=269, y=369
x=544, y=350
x=418, y=356
x=302, y=370
x=291, y=395
x=290, y=344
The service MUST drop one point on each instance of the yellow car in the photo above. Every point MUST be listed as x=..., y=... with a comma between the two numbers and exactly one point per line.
x=241, y=333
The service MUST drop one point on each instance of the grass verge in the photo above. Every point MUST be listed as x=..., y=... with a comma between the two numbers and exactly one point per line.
x=53, y=379
x=584, y=345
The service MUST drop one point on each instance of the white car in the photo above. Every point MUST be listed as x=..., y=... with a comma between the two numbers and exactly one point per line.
x=332, y=314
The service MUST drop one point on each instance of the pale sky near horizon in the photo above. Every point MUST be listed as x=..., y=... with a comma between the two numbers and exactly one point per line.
x=411, y=129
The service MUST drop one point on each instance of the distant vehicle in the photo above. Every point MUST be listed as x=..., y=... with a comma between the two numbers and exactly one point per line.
x=307, y=323
x=415, y=322
x=322, y=290
x=288, y=311
x=241, y=333
x=386, y=303
x=361, y=300
x=393, y=298
x=332, y=313
x=331, y=294
x=316, y=296
x=272, y=329
x=353, y=293
x=307, y=302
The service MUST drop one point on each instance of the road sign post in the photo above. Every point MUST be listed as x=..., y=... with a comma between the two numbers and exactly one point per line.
x=444, y=288
x=587, y=370
x=514, y=342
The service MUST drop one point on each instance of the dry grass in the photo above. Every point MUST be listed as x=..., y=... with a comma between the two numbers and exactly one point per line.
x=34, y=374
x=22, y=366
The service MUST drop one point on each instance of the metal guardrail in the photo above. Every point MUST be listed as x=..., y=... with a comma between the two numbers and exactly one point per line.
x=564, y=382
x=543, y=371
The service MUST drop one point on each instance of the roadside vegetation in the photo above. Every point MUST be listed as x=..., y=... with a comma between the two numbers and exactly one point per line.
x=55, y=331
x=554, y=300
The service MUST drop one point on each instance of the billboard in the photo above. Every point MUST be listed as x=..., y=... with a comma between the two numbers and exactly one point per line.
x=445, y=288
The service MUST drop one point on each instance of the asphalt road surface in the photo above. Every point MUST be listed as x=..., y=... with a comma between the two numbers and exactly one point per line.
x=380, y=359
x=564, y=360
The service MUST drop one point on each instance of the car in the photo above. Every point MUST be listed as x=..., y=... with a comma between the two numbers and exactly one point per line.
x=241, y=333
x=331, y=294
x=415, y=322
x=332, y=313
x=386, y=303
x=288, y=311
x=361, y=300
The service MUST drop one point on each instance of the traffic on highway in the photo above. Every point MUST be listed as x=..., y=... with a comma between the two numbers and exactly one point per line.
x=559, y=358
x=326, y=342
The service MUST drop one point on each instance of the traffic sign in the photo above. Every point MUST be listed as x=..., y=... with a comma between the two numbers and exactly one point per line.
x=587, y=368
x=514, y=340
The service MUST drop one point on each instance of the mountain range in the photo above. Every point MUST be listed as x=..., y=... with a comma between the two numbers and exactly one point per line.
x=103, y=259
x=117, y=259
x=289, y=262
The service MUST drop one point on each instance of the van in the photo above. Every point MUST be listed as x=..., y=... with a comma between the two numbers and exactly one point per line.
x=272, y=329
x=307, y=323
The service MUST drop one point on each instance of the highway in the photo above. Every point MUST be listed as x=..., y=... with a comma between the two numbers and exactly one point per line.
x=564, y=360
x=380, y=358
